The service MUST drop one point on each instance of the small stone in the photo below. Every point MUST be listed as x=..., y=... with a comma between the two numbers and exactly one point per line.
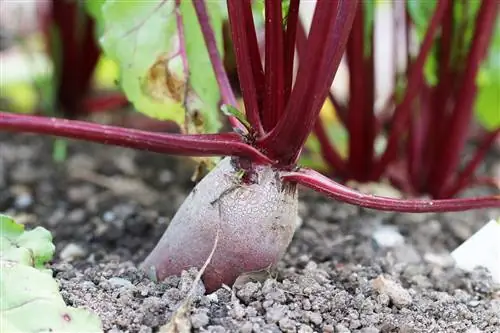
x=76, y=216
x=213, y=298
x=328, y=328
x=198, y=320
x=444, y=260
x=370, y=329
x=117, y=282
x=247, y=327
x=341, y=329
x=407, y=254
x=275, y=313
x=237, y=311
x=474, y=303
x=211, y=328
x=166, y=177
x=387, y=236
x=23, y=200
x=305, y=329
x=186, y=283
x=298, y=222
x=80, y=194
x=108, y=216
x=71, y=252
x=24, y=173
x=314, y=317
x=247, y=292
x=398, y=295
x=287, y=325
x=306, y=304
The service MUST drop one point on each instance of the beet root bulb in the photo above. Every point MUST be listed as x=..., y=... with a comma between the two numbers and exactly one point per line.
x=255, y=222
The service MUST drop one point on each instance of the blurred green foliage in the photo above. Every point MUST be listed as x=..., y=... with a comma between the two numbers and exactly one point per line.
x=165, y=70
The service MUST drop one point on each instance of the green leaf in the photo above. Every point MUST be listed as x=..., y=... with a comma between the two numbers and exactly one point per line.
x=32, y=247
x=464, y=17
x=144, y=39
x=488, y=83
x=60, y=150
x=420, y=12
x=229, y=111
x=369, y=20
x=137, y=35
x=94, y=9
x=202, y=78
x=30, y=296
x=9, y=229
x=311, y=155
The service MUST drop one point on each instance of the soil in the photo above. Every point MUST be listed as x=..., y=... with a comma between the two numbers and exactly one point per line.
x=106, y=207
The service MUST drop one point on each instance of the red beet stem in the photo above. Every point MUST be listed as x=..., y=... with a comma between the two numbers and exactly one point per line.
x=320, y=183
x=226, y=91
x=332, y=22
x=176, y=144
x=248, y=60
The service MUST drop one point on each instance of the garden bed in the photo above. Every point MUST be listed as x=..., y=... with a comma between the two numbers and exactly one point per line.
x=107, y=208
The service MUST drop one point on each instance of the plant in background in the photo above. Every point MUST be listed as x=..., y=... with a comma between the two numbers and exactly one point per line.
x=70, y=37
x=426, y=121
x=247, y=205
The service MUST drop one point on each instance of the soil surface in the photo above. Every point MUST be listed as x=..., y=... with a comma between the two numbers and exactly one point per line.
x=106, y=208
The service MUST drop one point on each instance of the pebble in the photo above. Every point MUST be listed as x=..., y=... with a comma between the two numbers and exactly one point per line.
x=305, y=329
x=276, y=313
x=166, y=177
x=341, y=329
x=287, y=325
x=387, y=236
x=118, y=282
x=108, y=216
x=80, y=194
x=249, y=289
x=76, y=216
x=24, y=173
x=199, y=319
x=439, y=259
x=407, y=254
x=314, y=317
x=398, y=295
x=71, y=252
x=23, y=201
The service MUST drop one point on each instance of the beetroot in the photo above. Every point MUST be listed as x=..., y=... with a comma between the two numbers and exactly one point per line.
x=255, y=221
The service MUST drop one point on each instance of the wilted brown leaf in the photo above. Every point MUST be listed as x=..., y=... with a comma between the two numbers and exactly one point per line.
x=165, y=80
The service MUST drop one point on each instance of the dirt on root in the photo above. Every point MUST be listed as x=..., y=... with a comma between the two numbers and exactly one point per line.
x=107, y=207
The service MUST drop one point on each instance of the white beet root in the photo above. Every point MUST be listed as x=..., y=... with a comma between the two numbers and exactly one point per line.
x=255, y=222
